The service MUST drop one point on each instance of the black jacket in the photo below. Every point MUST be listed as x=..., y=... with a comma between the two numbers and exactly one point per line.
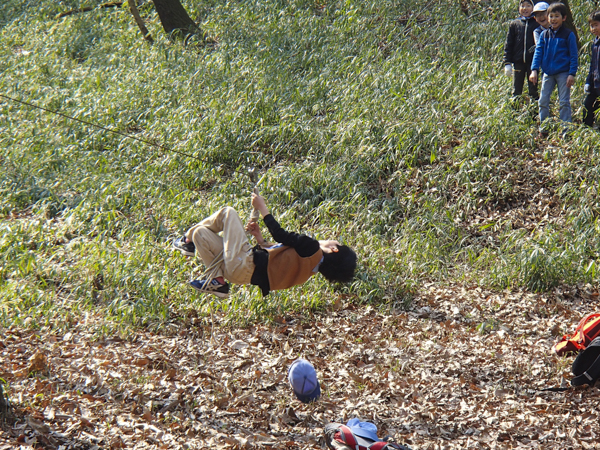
x=593, y=78
x=520, y=46
x=304, y=245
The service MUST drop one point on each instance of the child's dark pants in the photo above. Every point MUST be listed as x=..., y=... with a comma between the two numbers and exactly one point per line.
x=590, y=106
x=521, y=71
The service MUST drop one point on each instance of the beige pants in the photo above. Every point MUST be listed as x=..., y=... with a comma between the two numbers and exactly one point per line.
x=238, y=261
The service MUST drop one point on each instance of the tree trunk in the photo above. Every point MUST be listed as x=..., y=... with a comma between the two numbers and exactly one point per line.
x=569, y=22
x=174, y=18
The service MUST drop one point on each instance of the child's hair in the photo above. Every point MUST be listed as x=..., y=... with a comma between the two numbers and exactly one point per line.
x=557, y=7
x=594, y=17
x=339, y=266
x=526, y=1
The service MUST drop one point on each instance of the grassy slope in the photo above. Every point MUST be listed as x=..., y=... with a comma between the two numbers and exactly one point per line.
x=384, y=123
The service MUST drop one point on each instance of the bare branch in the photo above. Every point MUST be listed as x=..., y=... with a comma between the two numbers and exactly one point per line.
x=138, y=19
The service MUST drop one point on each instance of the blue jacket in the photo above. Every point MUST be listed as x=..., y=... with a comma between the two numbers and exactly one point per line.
x=593, y=78
x=556, y=52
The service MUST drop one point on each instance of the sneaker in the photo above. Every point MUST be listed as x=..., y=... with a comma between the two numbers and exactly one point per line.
x=186, y=248
x=211, y=287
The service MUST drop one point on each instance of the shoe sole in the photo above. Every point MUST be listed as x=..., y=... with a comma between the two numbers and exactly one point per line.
x=203, y=291
x=183, y=252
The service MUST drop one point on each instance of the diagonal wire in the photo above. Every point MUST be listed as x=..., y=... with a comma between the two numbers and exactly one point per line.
x=154, y=144
x=151, y=143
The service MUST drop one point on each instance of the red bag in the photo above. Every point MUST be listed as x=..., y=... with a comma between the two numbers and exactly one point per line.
x=586, y=331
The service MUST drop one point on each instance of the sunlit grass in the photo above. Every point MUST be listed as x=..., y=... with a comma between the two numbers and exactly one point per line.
x=384, y=124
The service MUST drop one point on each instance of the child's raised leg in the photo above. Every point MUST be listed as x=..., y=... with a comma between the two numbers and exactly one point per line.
x=209, y=245
x=238, y=261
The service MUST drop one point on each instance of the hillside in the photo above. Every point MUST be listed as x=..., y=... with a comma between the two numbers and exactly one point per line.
x=387, y=125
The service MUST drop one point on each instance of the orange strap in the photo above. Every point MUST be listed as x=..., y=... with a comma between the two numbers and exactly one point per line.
x=579, y=331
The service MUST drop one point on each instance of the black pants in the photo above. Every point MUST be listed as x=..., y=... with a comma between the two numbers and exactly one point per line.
x=520, y=72
x=590, y=106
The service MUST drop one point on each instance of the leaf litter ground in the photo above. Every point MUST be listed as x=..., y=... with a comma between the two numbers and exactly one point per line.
x=462, y=368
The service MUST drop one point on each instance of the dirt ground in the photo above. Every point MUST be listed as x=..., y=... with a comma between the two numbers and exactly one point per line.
x=462, y=368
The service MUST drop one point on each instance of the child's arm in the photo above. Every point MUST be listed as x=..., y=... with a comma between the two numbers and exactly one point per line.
x=304, y=245
x=254, y=229
x=574, y=55
x=590, y=78
x=589, y=81
x=509, y=46
x=538, y=56
x=533, y=76
x=260, y=205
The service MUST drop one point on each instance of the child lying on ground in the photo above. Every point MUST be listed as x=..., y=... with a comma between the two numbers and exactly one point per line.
x=271, y=267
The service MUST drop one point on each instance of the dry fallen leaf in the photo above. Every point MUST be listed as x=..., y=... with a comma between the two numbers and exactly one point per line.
x=338, y=304
x=141, y=362
x=426, y=376
x=238, y=345
x=39, y=363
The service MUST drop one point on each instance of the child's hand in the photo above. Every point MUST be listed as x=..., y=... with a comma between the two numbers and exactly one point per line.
x=254, y=229
x=533, y=77
x=508, y=70
x=570, y=81
x=259, y=204
x=587, y=89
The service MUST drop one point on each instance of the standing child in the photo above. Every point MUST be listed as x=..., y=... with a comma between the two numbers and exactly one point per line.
x=540, y=12
x=518, y=49
x=556, y=55
x=592, y=82
x=221, y=242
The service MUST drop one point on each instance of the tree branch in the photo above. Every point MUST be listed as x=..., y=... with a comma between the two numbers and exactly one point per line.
x=140, y=23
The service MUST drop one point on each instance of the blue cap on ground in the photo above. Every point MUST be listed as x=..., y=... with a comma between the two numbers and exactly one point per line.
x=303, y=378
x=366, y=430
